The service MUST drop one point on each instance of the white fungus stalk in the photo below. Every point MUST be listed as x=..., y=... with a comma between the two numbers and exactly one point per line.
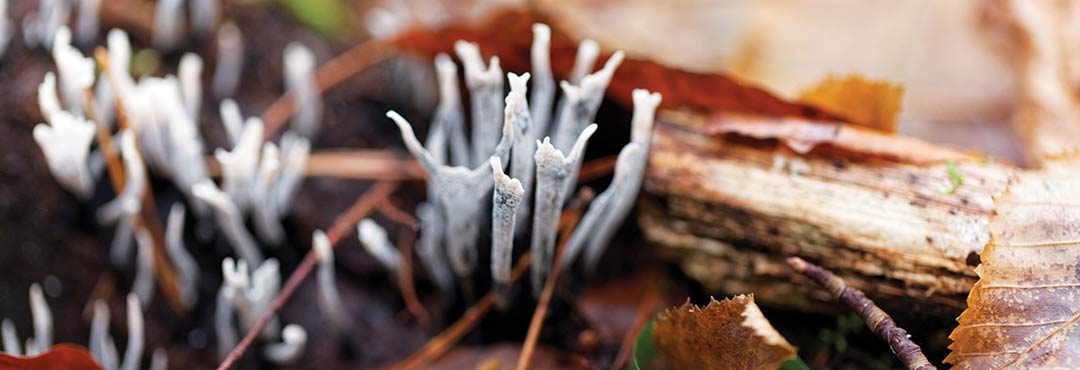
x=104, y=102
x=622, y=202
x=295, y=151
x=460, y=189
x=587, y=53
x=505, y=202
x=6, y=27
x=190, y=74
x=300, y=82
x=143, y=286
x=230, y=60
x=168, y=21
x=377, y=244
x=204, y=16
x=265, y=211
x=293, y=341
x=329, y=299
x=129, y=201
x=43, y=321
x=159, y=360
x=239, y=166
x=232, y=120
x=429, y=247
x=543, y=84
x=233, y=285
x=581, y=101
x=186, y=267
x=265, y=284
x=120, y=246
x=447, y=131
x=102, y=347
x=486, y=95
x=76, y=72
x=517, y=112
x=120, y=63
x=86, y=25
x=230, y=220
x=600, y=208
x=136, y=332
x=41, y=28
x=553, y=171
x=48, y=100
x=10, y=338
x=65, y=141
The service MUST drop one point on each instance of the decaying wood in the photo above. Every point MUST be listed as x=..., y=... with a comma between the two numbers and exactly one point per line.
x=883, y=212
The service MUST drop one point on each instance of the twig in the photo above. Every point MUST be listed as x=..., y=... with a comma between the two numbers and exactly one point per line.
x=148, y=217
x=406, y=238
x=597, y=168
x=568, y=223
x=445, y=341
x=393, y=212
x=898, y=339
x=330, y=74
x=342, y=226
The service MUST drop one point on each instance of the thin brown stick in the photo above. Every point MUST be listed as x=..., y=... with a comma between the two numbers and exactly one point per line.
x=363, y=164
x=645, y=311
x=330, y=74
x=898, y=339
x=148, y=217
x=568, y=223
x=597, y=168
x=342, y=226
x=406, y=238
x=395, y=213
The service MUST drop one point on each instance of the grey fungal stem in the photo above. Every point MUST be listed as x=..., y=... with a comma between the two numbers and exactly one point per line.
x=129, y=202
x=6, y=27
x=143, y=286
x=505, y=201
x=239, y=166
x=295, y=151
x=232, y=120
x=300, y=82
x=266, y=212
x=233, y=285
x=204, y=16
x=43, y=321
x=230, y=60
x=460, y=189
x=190, y=73
x=230, y=220
x=329, y=299
x=133, y=353
x=581, y=101
x=86, y=25
x=159, y=360
x=587, y=53
x=517, y=113
x=373, y=238
x=553, y=171
x=40, y=28
x=447, y=131
x=168, y=16
x=10, y=338
x=101, y=343
x=65, y=141
x=486, y=94
x=543, y=84
x=76, y=72
x=186, y=267
x=600, y=208
x=265, y=284
x=293, y=341
x=622, y=202
x=429, y=247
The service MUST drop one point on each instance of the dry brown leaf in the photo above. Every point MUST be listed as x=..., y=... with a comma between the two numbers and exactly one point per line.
x=874, y=104
x=728, y=334
x=1023, y=312
x=61, y=356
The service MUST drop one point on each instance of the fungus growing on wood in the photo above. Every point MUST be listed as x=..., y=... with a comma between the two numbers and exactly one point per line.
x=377, y=244
x=230, y=220
x=248, y=298
x=190, y=73
x=485, y=85
x=329, y=299
x=505, y=202
x=143, y=286
x=43, y=327
x=553, y=172
x=232, y=120
x=101, y=343
x=75, y=72
x=517, y=113
x=429, y=248
x=187, y=270
x=136, y=332
x=581, y=101
x=65, y=141
x=300, y=82
x=447, y=131
x=587, y=53
x=264, y=209
x=600, y=207
x=128, y=203
x=230, y=60
x=240, y=165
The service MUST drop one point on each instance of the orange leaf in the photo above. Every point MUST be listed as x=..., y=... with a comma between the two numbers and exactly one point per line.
x=1023, y=311
x=62, y=356
x=728, y=334
x=862, y=101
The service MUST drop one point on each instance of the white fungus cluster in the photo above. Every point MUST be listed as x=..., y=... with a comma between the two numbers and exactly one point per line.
x=244, y=299
x=43, y=328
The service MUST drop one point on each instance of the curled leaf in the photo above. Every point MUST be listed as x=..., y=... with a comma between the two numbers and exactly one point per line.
x=874, y=104
x=728, y=334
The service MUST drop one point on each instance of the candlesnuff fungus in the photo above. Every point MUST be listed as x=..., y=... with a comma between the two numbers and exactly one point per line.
x=429, y=248
x=230, y=221
x=6, y=27
x=587, y=53
x=249, y=298
x=329, y=299
x=40, y=28
x=159, y=360
x=300, y=82
x=485, y=93
x=143, y=286
x=447, y=131
x=10, y=338
x=136, y=332
x=168, y=16
x=128, y=203
x=86, y=25
x=190, y=73
x=293, y=341
x=239, y=166
x=187, y=270
x=230, y=60
x=102, y=346
x=232, y=120
x=65, y=141
x=581, y=101
x=553, y=171
x=295, y=151
x=601, y=206
x=204, y=16
x=505, y=202
x=43, y=327
x=543, y=88
x=373, y=238
x=76, y=72
x=517, y=113
x=234, y=282
x=460, y=189
x=265, y=212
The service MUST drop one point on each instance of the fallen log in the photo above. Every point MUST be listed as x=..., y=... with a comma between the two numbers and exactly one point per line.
x=729, y=197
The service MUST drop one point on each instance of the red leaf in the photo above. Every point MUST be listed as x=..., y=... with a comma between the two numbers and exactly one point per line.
x=62, y=356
